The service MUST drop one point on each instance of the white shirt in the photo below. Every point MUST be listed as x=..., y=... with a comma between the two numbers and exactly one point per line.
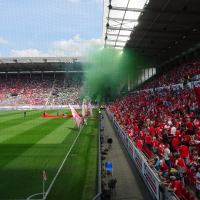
x=173, y=130
x=198, y=179
x=166, y=127
x=166, y=152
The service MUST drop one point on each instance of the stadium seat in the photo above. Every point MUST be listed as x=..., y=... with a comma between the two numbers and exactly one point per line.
x=188, y=195
x=109, y=167
x=188, y=175
x=181, y=186
x=184, y=191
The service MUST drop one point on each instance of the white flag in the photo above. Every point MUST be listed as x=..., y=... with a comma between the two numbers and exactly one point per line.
x=76, y=117
x=83, y=108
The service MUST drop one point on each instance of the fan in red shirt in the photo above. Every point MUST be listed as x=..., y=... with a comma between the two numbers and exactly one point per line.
x=196, y=123
x=175, y=187
x=161, y=148
x=189, y=125
x=142, y=135
x=155, y=145
x=139, y=144
x=178, y=133
x=164, y=165
x=174, y=144
x=135, y=129
x=187, y=139
x=180, y=162
x=152, y=130
x=148, y=141
x=184, y=152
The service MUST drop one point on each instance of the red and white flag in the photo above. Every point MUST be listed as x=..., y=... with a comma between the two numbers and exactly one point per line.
x=44, y=175
x=86, y=106
x=76, y=117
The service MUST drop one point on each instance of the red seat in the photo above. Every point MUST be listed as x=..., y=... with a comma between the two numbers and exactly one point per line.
x=184, y=191
x=193, y=182
x=188, y=175
x=192, y=198
x=181, y=187
x=188, y=196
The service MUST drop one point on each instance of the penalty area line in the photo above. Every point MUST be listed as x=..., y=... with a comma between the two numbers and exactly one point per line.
x=47, y=192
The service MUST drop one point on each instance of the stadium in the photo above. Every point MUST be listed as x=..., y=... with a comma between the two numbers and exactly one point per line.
x=100, y=100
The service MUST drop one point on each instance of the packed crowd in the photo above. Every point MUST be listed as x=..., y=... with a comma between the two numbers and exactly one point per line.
x=40, y=91
x=11, y=85
x=165, y=125
x=176, y=75
x=67, y=92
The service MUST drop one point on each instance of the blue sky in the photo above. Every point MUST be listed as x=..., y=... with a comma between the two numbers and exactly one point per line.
x=32, y=28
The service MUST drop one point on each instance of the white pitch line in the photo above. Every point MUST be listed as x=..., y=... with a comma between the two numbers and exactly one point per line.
x=33, y=196
x=47, y=192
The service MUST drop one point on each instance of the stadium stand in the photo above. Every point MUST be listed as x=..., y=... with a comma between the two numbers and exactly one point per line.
x=177, y=75
x=163, y=116
x=38, y=91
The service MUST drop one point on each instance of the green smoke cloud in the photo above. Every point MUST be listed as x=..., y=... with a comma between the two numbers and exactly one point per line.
x=107, y=70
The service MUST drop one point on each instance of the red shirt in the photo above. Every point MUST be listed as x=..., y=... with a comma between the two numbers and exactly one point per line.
x=196, y=123
x=139, y=144
x=181, y=162
x=189, y=125
x=148, y=139
x=164, y=165
x=187, y=138
x=161, y=149
x=198, y=132
x=175, y=143
x=183, y=151
x=156, y=143
x=177, y=186
x=152, y=130
x=135, y=128
x=177, y=133
x=142, y=135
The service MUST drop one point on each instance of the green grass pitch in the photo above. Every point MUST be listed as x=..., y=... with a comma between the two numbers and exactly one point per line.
x=31, y=144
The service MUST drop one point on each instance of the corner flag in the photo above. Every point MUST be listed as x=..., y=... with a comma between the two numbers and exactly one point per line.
x=44, y=175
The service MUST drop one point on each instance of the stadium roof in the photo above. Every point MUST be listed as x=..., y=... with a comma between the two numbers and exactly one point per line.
x=47, y=64
x=161, y=30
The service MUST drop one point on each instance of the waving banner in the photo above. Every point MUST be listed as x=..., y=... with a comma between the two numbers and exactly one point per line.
x=76, y=117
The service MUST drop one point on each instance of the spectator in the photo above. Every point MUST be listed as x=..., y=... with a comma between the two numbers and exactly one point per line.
x=175, y=187
x=184, y=152
x=148, y=141
x=155, y=145
x=155, y=164
x=164, y=174
x=167, y=156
